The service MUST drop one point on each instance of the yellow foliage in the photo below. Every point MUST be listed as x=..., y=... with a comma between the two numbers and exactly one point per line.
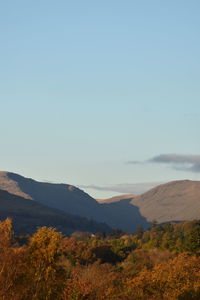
x=169, y=280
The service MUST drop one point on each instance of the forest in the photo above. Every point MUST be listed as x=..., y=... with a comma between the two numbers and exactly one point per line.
x=161, y=263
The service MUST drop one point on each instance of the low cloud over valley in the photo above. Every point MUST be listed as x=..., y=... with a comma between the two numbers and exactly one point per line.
x=124, y=188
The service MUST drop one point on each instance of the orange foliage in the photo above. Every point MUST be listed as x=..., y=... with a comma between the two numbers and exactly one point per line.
x=169, y=280
x=52, y=267
x=96, y=281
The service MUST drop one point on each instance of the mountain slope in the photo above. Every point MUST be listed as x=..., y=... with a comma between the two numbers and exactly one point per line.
x=28, y=215
x=173, y=201
x=61, y=196
x=122, y=214
x=70, y=199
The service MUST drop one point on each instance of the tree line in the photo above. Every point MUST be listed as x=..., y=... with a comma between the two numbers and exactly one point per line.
x=161, y=263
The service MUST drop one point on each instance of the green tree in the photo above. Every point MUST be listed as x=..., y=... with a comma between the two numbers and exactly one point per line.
x=192, y=242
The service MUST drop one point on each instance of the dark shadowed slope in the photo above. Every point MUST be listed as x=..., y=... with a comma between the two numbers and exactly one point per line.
x=28, y=215
x=120, y=208
x=74, y=201
x=61, y=196
x=124, y=211
x=176, y=200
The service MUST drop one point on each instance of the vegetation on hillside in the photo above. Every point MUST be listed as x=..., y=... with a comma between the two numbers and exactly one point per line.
x=161, y=263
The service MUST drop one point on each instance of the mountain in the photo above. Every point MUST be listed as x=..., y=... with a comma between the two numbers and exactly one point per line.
x=122, y=215
x=173, y=201
x=61, y=196
x=27, y=215
x=117, y=198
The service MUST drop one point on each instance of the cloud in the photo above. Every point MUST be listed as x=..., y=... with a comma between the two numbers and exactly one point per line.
x=179, y=162
x=176, y=158
x=124, y=188
x=134, y=162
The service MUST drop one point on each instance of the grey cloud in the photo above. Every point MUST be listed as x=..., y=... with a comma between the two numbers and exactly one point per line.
x=176, y=158
x=195, y=168
x=124, y=188
x=134, y=162
x=178, y=162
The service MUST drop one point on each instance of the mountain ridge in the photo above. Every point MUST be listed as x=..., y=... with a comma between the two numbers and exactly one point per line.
x=175, y=200
x=28, y=215
x=70, y=199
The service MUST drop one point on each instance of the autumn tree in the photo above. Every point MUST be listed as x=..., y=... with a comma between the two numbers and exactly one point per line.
x=44, y=273
x=11, y=263
x=192, y=239
x=171, y=280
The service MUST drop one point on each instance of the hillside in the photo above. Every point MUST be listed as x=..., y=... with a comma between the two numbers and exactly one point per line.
x=173, y=201
x=61, y=196
x=28, y=215
x=119, y=215
x=176, y=200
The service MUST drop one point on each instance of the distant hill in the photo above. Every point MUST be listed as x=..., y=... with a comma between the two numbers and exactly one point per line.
x=117, y=198
x=61, y=196
x=173, y=201
x=27, y=215
x=122, y=215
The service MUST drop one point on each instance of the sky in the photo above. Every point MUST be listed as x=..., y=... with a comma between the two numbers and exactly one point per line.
x=104, y=95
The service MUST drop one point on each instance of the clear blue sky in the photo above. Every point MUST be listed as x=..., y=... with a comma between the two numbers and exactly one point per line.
x=87, y=86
